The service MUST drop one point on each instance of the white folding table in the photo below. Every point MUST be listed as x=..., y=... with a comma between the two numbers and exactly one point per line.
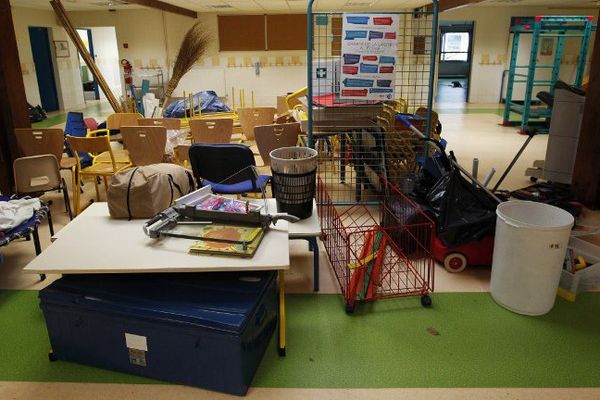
x=95, y=243
x=308, y=229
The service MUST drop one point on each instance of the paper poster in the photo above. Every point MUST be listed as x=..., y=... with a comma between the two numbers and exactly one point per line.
x=369, y=51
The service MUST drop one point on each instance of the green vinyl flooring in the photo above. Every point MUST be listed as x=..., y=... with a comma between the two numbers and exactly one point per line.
x=389, y=343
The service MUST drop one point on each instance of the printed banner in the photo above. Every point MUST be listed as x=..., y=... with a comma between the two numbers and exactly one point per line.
x=369, y=45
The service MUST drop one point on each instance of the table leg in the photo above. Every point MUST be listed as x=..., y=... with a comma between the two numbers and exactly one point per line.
x=281, y=347
x=313, y=245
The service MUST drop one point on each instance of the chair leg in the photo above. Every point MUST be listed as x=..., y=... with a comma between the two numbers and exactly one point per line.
x=96, y=187
x=50, y=224
x=75, y=190
x=77, y=197
x=36, y=241
x=66, y=197
x=105, y=183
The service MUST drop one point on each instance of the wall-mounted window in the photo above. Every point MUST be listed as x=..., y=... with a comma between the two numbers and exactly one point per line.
x=455, y=46
x=262, y=32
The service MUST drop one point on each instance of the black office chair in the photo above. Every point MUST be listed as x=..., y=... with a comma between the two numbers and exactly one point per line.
x=227, y=168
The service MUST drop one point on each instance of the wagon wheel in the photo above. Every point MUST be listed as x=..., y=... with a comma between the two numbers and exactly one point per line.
x=455, y=262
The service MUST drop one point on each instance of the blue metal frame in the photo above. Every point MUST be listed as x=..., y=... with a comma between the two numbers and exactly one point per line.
x=560, y=27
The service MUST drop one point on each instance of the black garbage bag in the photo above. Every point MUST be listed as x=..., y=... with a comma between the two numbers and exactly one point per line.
x=464, y=212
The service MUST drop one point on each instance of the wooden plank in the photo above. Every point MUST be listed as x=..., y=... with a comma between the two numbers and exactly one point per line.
x=586, y=175
x=160, y=5
x=286, y=32
x=64, y=19
x=242, y=32
x=445, y=5
x=13, y=101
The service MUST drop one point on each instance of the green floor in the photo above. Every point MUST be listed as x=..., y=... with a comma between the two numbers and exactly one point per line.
x=386, y=344
x=93, y=109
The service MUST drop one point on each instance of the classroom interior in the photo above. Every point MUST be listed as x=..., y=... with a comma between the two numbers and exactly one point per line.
x=457, y=68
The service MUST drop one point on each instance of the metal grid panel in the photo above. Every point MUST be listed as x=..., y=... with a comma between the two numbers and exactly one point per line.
x=360, y=141
x=400, y=264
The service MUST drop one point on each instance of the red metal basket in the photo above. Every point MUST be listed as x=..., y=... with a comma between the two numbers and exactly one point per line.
x=380, y=251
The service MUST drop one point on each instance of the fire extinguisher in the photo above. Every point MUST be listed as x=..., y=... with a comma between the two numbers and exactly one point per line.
x=127, y=72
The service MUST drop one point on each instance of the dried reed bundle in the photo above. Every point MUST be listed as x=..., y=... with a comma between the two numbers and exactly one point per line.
x=193, y=46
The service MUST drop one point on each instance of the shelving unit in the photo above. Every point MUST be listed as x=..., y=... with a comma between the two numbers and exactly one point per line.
x=152, y=74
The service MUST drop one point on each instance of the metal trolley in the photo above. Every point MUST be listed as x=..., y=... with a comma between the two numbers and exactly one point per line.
x=378, y=252
x=377, y=240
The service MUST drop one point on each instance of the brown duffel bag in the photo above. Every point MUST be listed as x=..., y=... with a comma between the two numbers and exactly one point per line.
x=143, y=192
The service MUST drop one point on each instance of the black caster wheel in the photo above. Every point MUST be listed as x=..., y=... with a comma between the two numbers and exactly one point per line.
x=52, y=357
x=426, y=300
x=533, y=179
x=281, y=351
x=349, y=308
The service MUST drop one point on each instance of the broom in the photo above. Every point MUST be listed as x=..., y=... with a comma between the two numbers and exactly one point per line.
x=193, y=46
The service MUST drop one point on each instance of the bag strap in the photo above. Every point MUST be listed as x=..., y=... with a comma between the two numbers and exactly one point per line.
x=128, y=190
x=191, y=181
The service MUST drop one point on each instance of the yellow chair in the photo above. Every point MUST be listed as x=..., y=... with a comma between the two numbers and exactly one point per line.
x=121, y=155
x=95, y=145
x=169, y=123
x=253, y=117
x=211, y=130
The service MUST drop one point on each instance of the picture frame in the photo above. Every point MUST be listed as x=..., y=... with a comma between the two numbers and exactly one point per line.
x=61, y=49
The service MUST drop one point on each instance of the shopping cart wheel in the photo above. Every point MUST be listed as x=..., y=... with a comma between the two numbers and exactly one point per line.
x=455, y=262
x=426, y=300
x=350, y=308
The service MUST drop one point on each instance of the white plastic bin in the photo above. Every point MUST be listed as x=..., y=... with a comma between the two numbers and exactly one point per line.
x=529, y=249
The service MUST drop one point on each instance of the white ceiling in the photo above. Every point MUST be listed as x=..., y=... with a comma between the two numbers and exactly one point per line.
x=292, y=6
x=235, y=6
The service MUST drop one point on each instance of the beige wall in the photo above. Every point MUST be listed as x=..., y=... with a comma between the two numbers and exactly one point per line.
x=491, y=45
x=153, y=38
x=67, y=75
x=156, y=41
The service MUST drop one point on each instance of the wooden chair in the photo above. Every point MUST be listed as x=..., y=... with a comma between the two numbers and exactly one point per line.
x=211, y=130
x=120, y=155
x=253, y=117
x=36, y=175
x=92, y=146
x=117, y=120
x=271, y=137
x=169, y=123
x=146, y=144
x=182, y=155
x=35, y=142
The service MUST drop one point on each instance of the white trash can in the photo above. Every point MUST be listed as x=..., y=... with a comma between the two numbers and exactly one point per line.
x=529, y=250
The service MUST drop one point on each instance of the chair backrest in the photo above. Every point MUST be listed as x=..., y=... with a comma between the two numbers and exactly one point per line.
x=34, y=174
x=35, y=142
x=169, y=123
x=145, y=144
x=222, y=163
x=117, y=120
x=75, y=124
x=252, y=117
x=182, y=155
x=90, y=145
x=271, y=137
x=218, y=130
x=91, y=123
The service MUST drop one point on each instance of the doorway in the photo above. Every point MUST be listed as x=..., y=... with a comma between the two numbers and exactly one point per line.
x=44, y=68
x=90, y=86
x=456, y=40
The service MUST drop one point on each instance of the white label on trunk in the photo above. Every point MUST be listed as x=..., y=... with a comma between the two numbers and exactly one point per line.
x=136, y=342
